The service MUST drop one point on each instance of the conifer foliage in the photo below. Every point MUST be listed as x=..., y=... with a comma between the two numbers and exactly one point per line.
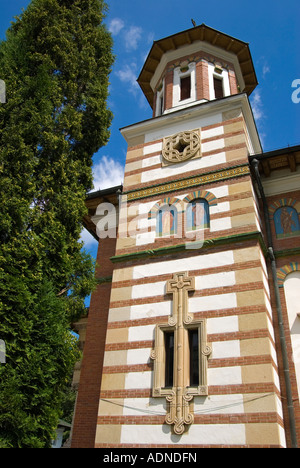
x=55, y=62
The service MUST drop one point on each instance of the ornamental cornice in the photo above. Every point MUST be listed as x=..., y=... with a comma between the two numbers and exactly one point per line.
x=236, y=171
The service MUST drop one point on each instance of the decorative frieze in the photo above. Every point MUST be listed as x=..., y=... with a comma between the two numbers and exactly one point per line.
x=236, y=171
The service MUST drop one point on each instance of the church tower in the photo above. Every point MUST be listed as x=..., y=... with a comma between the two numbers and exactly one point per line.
x=187, y=347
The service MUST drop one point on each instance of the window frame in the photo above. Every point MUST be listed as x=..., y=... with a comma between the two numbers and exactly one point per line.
x=185, y=87
x=179, y=73
x=224, y=75
x=158, y=354
x=190, y=226
x=218, y=78
x=169, y=352
x=159, y=221
x=160, y=100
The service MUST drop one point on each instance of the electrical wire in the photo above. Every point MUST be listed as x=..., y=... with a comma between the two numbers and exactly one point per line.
x=203, y=411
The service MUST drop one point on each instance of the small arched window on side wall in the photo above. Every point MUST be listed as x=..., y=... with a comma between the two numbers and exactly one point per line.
x=285, y=215
x=197, y=214
x=286, y=221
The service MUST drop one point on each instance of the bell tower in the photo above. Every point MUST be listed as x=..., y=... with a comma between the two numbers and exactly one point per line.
x=189, y=356
x=195, y=66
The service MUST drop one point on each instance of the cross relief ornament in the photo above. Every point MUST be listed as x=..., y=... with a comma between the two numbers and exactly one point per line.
x=180, y=394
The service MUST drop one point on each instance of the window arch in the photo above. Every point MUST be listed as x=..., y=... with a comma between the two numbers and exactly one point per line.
x=198, y=209
x=184, y=85
x=197, y=214
x=167, y=214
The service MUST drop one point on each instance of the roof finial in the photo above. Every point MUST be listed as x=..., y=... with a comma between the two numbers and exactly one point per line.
x=194, y=22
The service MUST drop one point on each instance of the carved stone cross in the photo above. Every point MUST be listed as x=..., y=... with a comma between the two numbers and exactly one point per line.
x=180, y=323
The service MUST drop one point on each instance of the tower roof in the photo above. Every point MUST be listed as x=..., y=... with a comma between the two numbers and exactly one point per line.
x=199, y=33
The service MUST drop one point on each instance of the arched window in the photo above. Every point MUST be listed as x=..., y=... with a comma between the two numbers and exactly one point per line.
x=166, y=221
x=197, y=214
x=286, y=221
x=292, y=297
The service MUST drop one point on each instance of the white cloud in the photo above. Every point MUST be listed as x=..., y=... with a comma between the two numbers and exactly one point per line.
x=88, y=240
x=257, y=105
x=128, y=75
x=115, y=26
x=265, y=70
x=259, y=114
x=132, y=36
x=107, y=173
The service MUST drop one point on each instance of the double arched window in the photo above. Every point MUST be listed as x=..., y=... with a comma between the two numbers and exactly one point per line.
x=175, y=217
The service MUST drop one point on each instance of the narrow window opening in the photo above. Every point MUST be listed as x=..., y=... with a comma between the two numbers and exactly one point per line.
x=169, y=359
x=161, y=105
x=185, y=87
x=218, y=87
x=194, y=357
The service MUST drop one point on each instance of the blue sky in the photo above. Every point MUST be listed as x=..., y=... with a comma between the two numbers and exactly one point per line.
x=271, y=27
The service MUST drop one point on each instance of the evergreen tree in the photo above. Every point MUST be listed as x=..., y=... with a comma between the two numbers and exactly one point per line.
x=55, y=62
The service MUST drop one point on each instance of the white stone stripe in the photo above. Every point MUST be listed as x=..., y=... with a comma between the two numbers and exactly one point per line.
x=156, y=309
x=225, y=349
x=196, y=304
x=186, y=264
x=151, y=161
x=138, y=380
x=214, y=325
x=212, y=145
x=144, y=406
x=220, y=349
x=142, y=333
x=152, y=148
x=215, y=404
x=222, y=324
x=138, y=356
x=217, y=280
x=224, y=376
x=220, y=224
x=210, y=434
x=181, y=168
x=215, y=302
x=219, y=404
x=212, y=132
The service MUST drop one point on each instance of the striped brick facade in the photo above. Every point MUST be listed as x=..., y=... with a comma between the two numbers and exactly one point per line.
x=231, y=293
x=234, y=294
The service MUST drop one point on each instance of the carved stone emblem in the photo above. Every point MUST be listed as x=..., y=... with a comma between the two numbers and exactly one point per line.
x=182, y=146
